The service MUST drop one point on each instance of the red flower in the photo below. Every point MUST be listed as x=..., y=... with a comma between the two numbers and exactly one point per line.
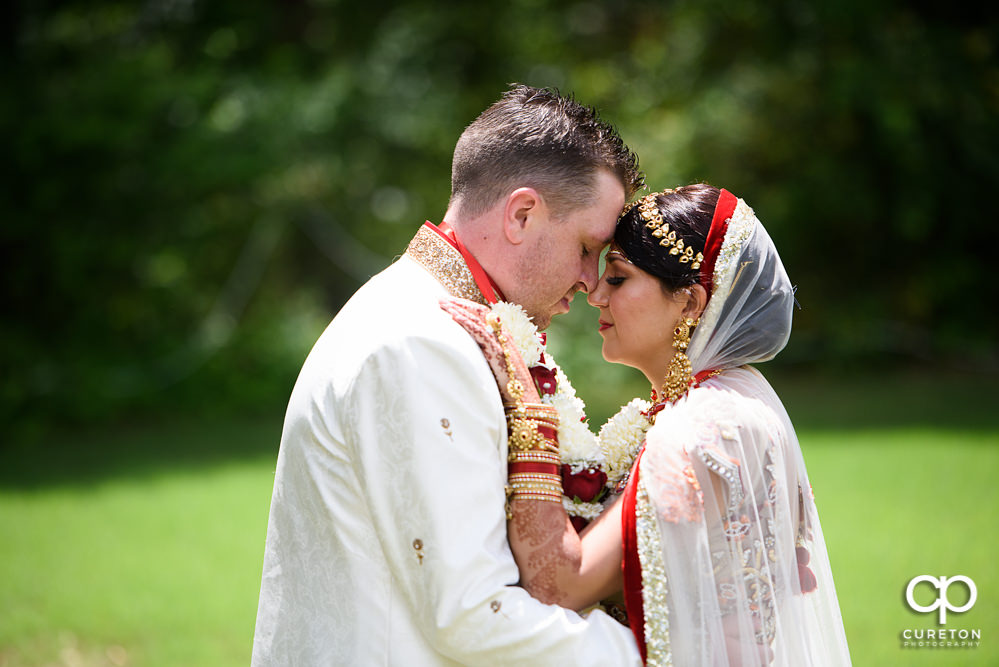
x=801, y=553
x=585, y=484
x=544, y=378
x=806, y=578
x=579, y=523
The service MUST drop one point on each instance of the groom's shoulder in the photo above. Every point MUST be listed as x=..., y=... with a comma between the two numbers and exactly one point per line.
x=401, y=301
x=396, y=310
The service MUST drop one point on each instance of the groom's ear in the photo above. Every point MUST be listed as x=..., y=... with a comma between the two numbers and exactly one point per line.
x=523, y=210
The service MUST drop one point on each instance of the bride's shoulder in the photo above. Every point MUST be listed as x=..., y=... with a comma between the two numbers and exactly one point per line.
x=716, y=409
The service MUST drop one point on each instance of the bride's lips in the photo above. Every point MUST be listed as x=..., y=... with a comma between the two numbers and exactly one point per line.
x=603, y=326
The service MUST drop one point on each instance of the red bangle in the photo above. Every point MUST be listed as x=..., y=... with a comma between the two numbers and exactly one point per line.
x=526, y=466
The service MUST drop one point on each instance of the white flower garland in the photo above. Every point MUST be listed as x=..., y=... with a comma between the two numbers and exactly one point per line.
x=613, y=450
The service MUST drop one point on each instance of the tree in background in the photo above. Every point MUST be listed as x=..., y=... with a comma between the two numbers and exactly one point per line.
x=194, y=187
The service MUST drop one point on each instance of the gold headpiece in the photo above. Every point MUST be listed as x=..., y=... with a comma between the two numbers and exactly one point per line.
x=668, y=238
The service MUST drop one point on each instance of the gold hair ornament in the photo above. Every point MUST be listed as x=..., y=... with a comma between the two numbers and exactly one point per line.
x=648, y=211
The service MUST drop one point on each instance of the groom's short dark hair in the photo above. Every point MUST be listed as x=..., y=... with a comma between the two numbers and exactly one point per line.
x=535, y=137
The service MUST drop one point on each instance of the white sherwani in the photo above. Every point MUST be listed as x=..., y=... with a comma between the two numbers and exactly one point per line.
x=387, y=536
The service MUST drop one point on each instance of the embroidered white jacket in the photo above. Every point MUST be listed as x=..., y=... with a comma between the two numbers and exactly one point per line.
x=387, y=542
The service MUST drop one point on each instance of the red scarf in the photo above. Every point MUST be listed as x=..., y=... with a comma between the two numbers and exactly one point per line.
x=716, y=236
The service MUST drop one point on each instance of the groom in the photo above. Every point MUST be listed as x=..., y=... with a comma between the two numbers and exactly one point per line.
x=387, y=536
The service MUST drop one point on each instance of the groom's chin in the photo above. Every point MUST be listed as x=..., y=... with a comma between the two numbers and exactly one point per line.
x=541, y=320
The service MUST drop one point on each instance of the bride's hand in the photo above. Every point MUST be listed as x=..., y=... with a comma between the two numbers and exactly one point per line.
x=472, y=316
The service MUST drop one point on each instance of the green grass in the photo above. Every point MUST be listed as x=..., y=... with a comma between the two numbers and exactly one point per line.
x=148, y=557
x=896, y=503
x=143, y=546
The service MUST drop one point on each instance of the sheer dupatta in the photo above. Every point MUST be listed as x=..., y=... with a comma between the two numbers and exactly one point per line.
x=721, y=526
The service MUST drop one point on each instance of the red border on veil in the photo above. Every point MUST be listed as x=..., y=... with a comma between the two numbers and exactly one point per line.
x=632, y=566
x=716, y=236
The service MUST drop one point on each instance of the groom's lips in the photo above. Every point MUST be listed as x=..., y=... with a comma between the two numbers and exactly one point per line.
x=604, y=325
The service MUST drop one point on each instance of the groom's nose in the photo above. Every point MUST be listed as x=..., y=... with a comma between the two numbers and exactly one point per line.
x=590, y=275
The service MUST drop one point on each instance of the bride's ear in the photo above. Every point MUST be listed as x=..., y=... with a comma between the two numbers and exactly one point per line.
x=697, y=300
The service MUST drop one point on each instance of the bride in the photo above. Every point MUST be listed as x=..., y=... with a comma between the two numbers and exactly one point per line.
x=714, y=540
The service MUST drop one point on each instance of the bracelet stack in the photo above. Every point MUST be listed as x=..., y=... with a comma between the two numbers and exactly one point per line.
x=533, y=469
x=532, y=426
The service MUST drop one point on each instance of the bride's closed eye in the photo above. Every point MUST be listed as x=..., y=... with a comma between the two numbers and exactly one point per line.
x=615, y=280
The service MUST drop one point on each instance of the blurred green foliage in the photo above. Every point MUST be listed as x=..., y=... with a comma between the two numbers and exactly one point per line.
x=194, y=187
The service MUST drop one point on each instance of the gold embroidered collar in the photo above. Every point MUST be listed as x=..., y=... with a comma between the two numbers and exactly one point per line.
x=445, y=263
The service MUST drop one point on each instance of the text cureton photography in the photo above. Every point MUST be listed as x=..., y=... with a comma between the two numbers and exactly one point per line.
x=940, y=637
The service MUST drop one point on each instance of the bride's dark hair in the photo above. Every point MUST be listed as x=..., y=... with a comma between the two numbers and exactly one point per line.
x=688, y=211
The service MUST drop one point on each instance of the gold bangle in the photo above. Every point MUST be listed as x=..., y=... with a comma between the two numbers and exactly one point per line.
x=534, y=456
x=515, y=416
x=525, y=495
x=535, y=477
x=535, y=485
x=537, y=411
x=549, y=489
x=546, y=484
x=548, y=445
x=536, y=488
x=544, y=409
x=524, y=435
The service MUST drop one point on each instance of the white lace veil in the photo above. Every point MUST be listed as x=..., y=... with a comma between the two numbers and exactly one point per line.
x=748, y=317
x=734, y=565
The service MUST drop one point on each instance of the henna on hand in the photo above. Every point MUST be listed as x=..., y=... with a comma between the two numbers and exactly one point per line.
x=546, y=548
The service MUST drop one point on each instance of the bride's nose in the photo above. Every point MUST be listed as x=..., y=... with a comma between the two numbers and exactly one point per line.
x=598, y=297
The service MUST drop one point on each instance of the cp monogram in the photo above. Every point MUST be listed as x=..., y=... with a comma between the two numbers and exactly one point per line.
x=941, y=603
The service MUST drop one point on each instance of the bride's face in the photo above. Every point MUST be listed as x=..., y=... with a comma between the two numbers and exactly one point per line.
x=637, y=317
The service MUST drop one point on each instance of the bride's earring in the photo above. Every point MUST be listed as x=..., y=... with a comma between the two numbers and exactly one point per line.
x=678, y=371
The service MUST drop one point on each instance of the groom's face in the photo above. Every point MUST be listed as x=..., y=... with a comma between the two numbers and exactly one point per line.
x=565, y=259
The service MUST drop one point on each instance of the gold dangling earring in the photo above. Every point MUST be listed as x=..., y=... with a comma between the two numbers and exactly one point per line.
x=678, y=371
